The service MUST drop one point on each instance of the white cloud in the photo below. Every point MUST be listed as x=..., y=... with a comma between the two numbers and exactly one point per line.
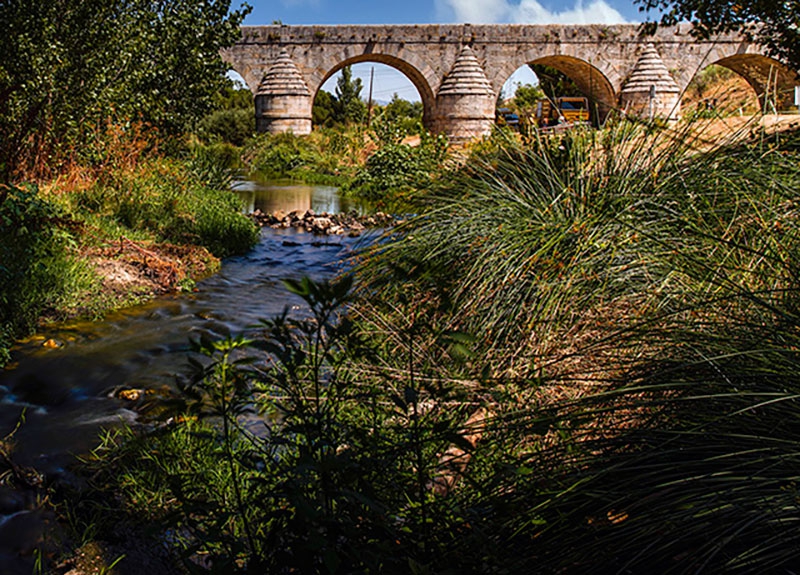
x=527, y=12
x=474, y=11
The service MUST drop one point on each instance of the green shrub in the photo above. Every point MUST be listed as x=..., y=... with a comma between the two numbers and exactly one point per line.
x=234, y=126
x=220, y=225
x=281, y=155
x=396, y=170
x=38, y=274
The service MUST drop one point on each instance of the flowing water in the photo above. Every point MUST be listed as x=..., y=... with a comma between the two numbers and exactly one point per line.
x=67, y=393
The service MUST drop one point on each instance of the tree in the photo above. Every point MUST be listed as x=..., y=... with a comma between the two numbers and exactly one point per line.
x=349, y=106
x=400, y=109
x=554, y=83
x=324, y=111
x=527, y=95
x=69, y=66
x=775, y=24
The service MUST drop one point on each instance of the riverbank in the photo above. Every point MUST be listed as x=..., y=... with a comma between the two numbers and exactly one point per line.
x=123, y=369
x=94, y=241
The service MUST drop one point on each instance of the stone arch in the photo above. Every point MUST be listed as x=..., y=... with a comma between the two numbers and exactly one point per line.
x=414, y=75
x=772, y=81
x=589, y=79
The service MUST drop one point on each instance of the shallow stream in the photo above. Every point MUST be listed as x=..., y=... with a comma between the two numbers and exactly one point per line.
x=67, y=393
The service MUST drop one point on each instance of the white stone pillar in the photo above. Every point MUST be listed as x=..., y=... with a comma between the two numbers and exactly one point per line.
x=650, y=91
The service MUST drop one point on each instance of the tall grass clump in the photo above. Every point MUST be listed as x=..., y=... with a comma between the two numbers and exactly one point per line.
x=174, y=201
x=647, y=294
x=524, y=239
x=710, y=484
x=637, y=291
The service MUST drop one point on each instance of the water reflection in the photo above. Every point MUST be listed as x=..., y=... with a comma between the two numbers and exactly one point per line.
x=270, y=197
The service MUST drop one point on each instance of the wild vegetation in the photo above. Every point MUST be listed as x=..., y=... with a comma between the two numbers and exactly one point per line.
x=86, y=161
x=582, y=356
x=382, y=164
x=53, y=238
x=67, y=69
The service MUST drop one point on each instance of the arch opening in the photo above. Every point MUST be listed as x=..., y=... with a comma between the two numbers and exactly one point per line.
x=588, y=80
x=556, y=89
x=719, y=91
x=396, y=82
x=744, y=83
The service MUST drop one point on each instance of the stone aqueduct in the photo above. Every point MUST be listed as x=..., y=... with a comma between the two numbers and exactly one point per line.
x=460, y=69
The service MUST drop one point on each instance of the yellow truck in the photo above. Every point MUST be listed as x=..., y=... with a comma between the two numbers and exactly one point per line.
x=565, y=110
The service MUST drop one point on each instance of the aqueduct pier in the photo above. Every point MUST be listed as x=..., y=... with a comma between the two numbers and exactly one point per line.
x=459, y=70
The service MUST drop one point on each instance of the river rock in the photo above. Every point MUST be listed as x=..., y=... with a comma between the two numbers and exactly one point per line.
x=320, y=224
x=324, y=223
x=131, y=394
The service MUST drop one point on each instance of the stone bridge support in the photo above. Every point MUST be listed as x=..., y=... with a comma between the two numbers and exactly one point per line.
x=283, y=101
x=465, y=103
x=459, y=70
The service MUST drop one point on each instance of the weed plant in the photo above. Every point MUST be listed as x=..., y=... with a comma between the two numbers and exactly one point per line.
x=299, y=461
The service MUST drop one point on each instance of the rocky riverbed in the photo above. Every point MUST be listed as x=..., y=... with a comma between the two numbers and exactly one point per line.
x=351, y=224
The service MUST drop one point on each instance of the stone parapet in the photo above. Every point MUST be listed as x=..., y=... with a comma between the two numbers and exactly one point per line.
x=611, y=65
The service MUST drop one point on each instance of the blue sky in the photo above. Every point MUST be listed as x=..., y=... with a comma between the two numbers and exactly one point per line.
x=440, y=11
x=387, y=80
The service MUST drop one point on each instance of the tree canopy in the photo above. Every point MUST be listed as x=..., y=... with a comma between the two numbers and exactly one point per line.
x=343, y=107
x=527, y=95
x=349, y=106
x=67, y=66
x=774, y=24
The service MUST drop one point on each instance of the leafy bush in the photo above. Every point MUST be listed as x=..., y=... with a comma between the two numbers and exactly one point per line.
x=38, y=275
x=323, y=157
x=396, y=170
x=281, y=155
x=229, y=126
